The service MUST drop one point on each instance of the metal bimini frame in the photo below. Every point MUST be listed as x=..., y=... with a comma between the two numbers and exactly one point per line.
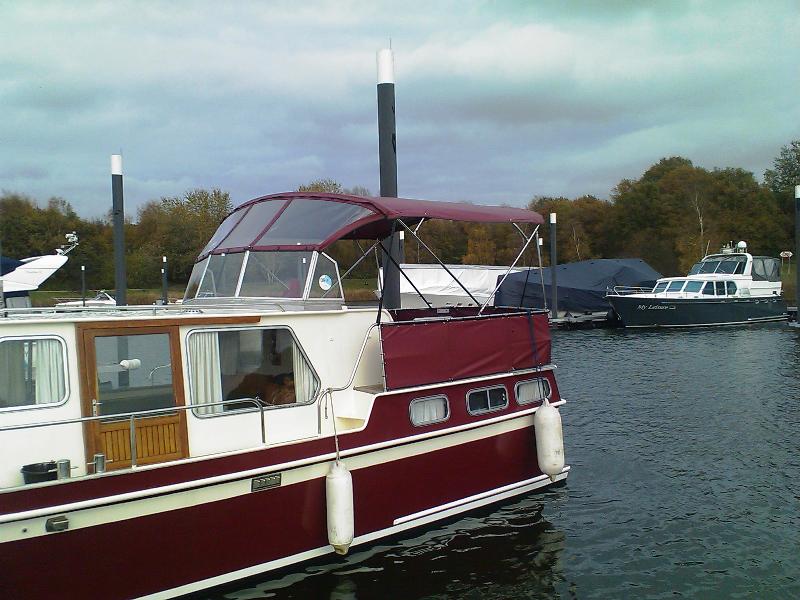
x=378, y=243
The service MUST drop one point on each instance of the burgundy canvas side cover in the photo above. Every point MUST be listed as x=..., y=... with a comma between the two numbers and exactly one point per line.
x=422, y=352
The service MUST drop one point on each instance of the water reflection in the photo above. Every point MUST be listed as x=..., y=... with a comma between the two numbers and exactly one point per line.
x=504, y=551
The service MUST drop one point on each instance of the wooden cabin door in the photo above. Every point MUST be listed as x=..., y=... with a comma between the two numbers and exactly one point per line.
x=127, y=370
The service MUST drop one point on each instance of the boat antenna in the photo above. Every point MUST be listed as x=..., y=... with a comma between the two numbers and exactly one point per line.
x=72, y=241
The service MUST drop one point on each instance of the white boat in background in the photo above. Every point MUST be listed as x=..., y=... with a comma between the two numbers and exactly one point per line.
x=732, y=287
x=449, y=285
x=33, y=272
x=103, y=298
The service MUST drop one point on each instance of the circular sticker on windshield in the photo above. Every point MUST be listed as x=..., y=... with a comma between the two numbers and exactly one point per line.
x=325, y=282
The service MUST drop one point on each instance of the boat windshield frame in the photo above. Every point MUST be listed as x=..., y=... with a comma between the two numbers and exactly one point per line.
x=723, y=264
x=299, y=274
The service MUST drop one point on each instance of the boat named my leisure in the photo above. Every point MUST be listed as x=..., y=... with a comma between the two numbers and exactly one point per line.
x=729, y=288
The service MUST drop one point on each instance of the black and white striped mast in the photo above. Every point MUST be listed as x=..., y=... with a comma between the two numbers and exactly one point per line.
x=118, y=213
x=387, y=151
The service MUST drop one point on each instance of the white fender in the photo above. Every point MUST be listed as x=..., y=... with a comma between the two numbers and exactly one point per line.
x=549, y=439
x=339, y=503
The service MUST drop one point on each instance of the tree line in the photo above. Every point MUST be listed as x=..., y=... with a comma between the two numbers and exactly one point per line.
x=671, y=216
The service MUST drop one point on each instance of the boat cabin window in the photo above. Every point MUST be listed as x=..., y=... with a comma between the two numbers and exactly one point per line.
x=487, y=399
x=194, y=279
x=134, y=373
x=309, y=222
x=268, y=274
x=275, y=274
x=267, y=364
x=732, y=265
x=252, y=223
x=766, y=269
x=731, y=288
x=222, y=231
x=426, y=411
x=532, y=391
x=676, y=286
x=325, y=281
x=32, y=372
x=693, y=286
x=720, y=286
x=708, y=290
x=660, y=287
x=221, y=276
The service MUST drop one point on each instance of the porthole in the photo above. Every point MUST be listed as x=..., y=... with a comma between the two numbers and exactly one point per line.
x=487, y=399
x=426, y=411
x=533, y=390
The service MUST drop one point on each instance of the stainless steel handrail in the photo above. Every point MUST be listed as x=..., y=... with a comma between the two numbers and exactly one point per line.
x=356, y=365
x=624, y=290
x=132, y=416
x=187, y=308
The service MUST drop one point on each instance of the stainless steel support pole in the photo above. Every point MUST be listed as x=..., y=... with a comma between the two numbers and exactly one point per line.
x=133, y=440
x=63, y=469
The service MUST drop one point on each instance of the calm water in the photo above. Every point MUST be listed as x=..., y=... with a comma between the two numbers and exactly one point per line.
x=685, y=482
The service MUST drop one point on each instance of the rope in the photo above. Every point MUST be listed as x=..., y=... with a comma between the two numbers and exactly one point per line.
x=539, y=381
x=329, y=394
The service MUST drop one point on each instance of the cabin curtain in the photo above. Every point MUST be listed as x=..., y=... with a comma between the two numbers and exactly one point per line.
x=205, y=369
x=48, y=366
x=429, y=411
x=12, y=374
x=305, y=385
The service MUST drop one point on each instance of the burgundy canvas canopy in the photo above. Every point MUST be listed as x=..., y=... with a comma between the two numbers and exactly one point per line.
x=313, y=221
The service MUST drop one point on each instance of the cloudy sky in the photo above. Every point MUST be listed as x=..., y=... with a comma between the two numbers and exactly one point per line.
x=497, y=102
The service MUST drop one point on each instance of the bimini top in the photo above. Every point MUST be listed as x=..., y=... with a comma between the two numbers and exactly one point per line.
x=313, y=221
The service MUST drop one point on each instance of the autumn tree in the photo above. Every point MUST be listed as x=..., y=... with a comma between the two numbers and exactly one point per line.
x=481, y=248
x=177, y=227
x=582, y=227
x=781, y=180
x=662, y=216
x=330, y=186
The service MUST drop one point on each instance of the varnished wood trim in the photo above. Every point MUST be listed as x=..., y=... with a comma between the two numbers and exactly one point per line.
x=129, y=322
x=180, y=391
x=93, y=430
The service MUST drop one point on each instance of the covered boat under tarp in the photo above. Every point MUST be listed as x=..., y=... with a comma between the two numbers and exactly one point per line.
x=582, y=286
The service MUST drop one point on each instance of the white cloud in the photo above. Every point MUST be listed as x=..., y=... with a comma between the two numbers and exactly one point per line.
x=493, y=103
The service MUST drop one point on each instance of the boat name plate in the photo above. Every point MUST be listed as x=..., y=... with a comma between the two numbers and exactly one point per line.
x=265, y=482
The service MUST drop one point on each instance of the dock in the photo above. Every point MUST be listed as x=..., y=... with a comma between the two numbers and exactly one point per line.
x=589, y=320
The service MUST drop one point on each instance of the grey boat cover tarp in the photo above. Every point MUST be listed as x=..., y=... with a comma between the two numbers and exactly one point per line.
x=582, y=286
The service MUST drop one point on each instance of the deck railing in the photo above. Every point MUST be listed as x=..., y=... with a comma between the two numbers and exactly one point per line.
x=626, y=290
x=133, y=416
